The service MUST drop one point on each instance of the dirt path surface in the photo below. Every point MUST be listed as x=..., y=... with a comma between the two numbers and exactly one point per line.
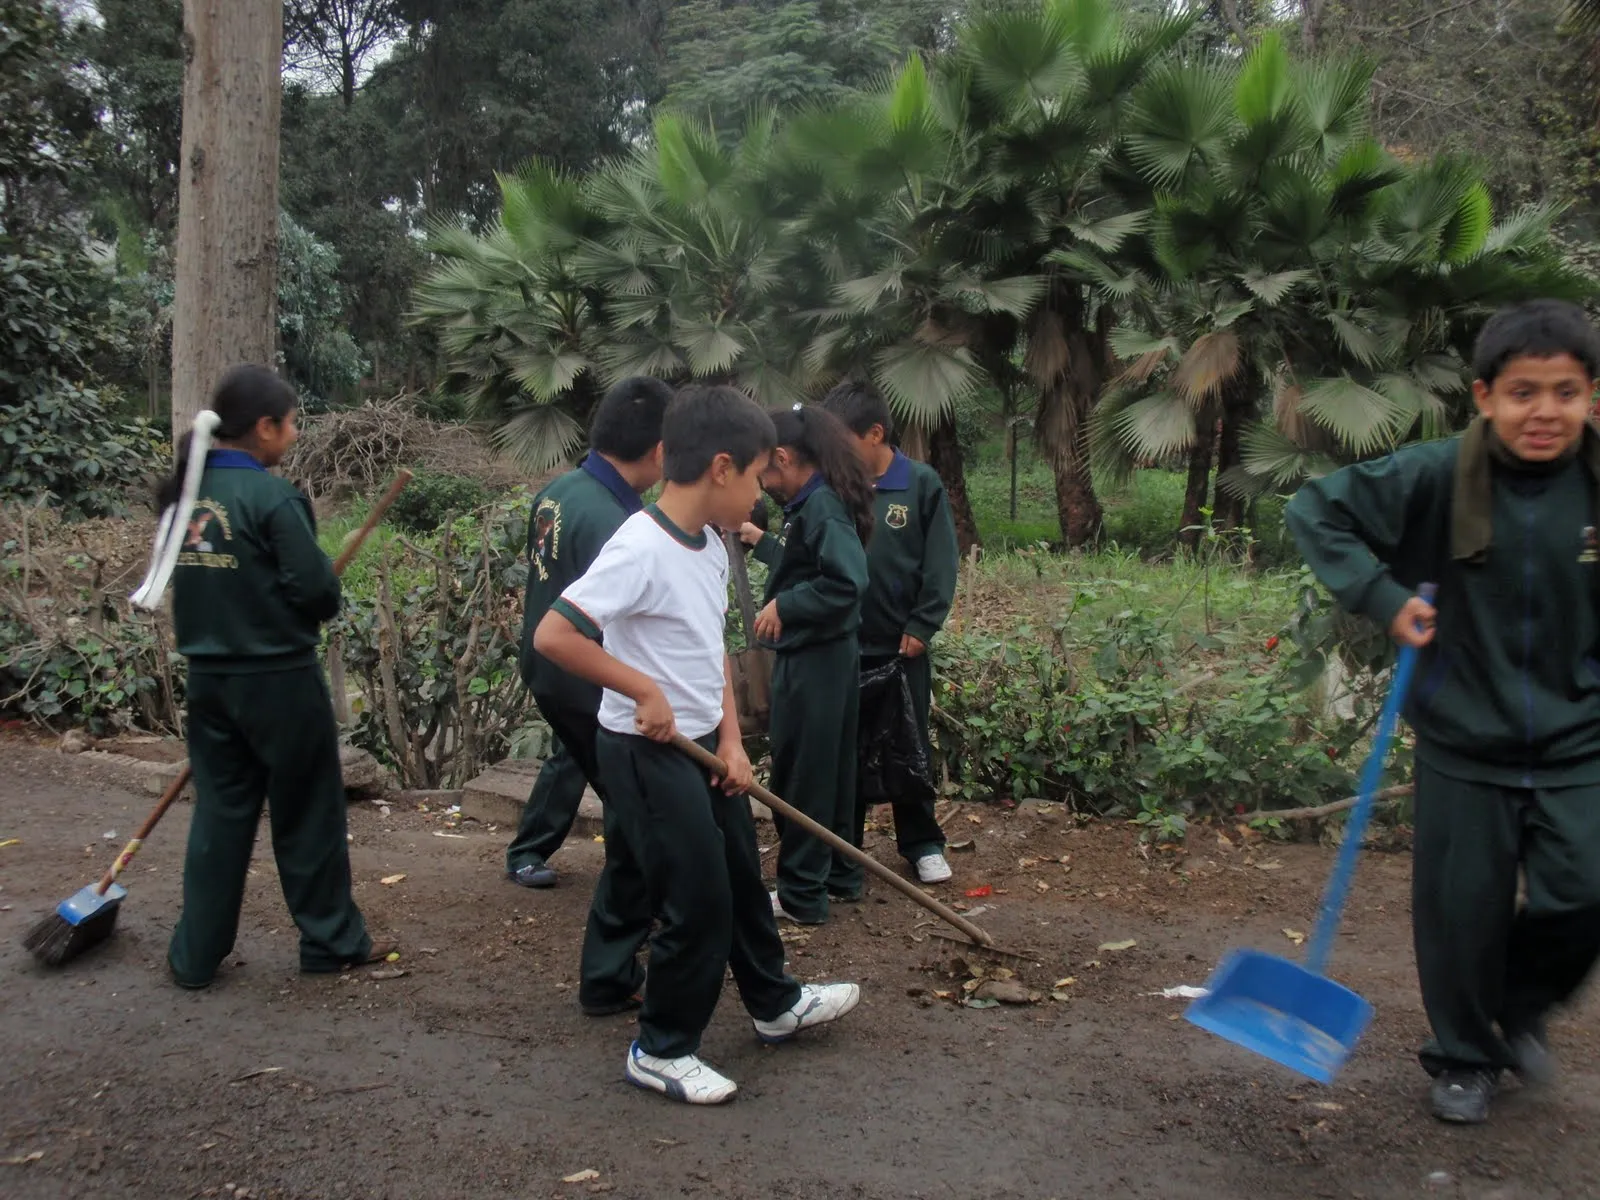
x=474, y=1074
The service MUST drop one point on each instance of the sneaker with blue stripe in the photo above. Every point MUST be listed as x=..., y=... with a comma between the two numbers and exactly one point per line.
x=819, y=1003
x=688, y=1078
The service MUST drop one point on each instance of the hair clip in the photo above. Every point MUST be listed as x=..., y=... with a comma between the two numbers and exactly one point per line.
x=798, y=407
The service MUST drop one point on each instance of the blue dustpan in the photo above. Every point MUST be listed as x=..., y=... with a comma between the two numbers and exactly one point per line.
x=1294, y=1014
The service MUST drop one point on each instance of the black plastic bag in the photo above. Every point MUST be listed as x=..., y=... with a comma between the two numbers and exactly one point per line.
x=891, y=763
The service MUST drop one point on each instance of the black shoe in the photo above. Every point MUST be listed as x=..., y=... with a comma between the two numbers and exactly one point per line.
x=610, y=1008
x=1462, y=1097
x=1535, y=1065
x=533, y=875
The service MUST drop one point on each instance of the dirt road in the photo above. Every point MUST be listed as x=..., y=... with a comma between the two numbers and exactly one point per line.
x=474, y=1075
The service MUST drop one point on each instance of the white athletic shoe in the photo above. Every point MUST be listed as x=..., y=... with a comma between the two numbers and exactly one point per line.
x=933, y=868
x=687, y=1078
x=819, y=1003
x=778, y=910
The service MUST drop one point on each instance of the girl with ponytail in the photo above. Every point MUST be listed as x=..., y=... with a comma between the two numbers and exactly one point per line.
x=817, y=577
x=250, y=590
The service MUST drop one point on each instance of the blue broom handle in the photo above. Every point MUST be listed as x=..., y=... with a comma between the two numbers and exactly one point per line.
x=1333, y=899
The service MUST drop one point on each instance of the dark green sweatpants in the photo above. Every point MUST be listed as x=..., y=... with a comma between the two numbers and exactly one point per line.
x=552, y=806
x=816, y=696
x=265, y=737
x=701, y=871
x=1483, y=962
x=915, y=831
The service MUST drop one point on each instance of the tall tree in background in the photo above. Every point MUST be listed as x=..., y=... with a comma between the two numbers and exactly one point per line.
x=334, y=41
x=137, y=47
x=482, y=86
x=224, y=309
x=725, y=58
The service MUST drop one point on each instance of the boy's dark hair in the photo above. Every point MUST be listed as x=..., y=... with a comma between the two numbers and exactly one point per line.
x=704, y=421
x=860, y=406
x=243, y=396
x=1535, y=329
x=627, y=422
x=820, y=439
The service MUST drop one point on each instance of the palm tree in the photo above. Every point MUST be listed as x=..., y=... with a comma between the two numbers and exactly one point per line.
x=520, y=330
x=1047, y=92
x=877, y=188
x=661, y=263
x=1289, y=258
x=960, y=212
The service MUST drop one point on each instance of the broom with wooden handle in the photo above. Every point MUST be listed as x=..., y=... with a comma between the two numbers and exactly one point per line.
x=88, y=917
x=790, y=813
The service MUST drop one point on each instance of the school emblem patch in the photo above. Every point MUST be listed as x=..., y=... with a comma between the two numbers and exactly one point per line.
x=207, y=525
x=545, y=547
x=896, y=516
x=1591, y=546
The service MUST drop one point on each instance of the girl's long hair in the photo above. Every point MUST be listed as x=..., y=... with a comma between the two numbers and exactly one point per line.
x=819, y=439
x=243, y=396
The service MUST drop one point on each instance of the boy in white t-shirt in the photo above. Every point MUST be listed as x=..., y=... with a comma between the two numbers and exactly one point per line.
x=658, y=593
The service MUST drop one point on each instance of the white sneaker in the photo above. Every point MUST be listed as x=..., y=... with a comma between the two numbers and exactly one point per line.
x=778, y=910
x=933, y=868
x=687, y=1078
x=819, y=1003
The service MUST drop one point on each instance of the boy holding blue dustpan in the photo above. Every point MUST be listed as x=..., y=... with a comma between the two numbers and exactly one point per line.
x=1506, y=703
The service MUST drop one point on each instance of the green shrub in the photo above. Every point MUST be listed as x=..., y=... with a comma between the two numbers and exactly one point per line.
x=1107, y=722
x=437, y=659
x=71, y=652
x=430, y=500
x=59, y=446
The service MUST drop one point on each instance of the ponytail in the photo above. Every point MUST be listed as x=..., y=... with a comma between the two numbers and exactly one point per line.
x=171, y=487
x=243, y=397
x=821, y=440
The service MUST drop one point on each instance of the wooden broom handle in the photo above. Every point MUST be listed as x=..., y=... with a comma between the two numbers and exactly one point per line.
x=790, y=813
x=371, y=523
x=175, y=788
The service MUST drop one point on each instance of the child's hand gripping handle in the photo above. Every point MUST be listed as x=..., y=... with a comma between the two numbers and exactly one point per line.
x=1371, y=775
x=175, y=788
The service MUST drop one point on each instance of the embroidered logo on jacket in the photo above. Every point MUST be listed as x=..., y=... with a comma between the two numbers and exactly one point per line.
x=896, y=516
x=546, y=547
x=207, y=525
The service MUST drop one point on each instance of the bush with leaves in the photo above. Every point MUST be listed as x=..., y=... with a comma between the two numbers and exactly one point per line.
x=60, y=446
x=437, y=655
x=1105, y=720
x=320, y=357
x=71, y=650
x=431, y=499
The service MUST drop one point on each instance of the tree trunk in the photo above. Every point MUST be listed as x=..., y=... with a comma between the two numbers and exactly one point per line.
x=1227, y=510
x=225, y=300
x=1069, y=361
x=1194, y=492
x=944, y=456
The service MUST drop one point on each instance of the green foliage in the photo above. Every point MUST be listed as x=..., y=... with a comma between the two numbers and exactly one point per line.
x=726, y=61
x=52, y=325
x=137, y=50
x=1109, y=718
x=49, y=120
x=437, y=657
x=111, y=684
x=430, y=500
x=478, y=87
x=60, y=446
x=319, y=357
x=72, y=653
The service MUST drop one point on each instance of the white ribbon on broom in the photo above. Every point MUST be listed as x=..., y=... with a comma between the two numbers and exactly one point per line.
x=175, y=519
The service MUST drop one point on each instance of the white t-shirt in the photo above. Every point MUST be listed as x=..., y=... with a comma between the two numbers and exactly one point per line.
x=659, y=597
